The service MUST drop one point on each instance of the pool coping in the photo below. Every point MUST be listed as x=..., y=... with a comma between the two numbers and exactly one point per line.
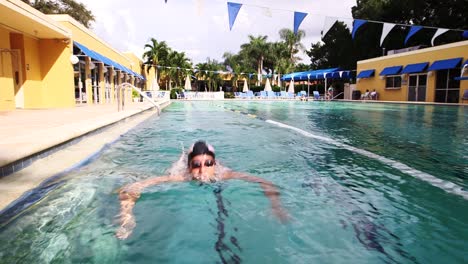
x=29, y=183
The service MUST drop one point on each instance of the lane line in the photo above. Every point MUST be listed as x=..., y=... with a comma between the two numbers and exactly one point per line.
x=447, y=186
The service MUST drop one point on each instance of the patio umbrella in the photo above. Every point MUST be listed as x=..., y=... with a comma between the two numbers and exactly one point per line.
x=246, y=87
x=188, y=85
x=267, y=85
x=291, y=87
x=155, y=85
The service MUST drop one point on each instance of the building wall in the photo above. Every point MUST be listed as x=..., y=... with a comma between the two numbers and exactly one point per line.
x=87, y=38
x=7, y=94
x=58, y=88
x=453, y=50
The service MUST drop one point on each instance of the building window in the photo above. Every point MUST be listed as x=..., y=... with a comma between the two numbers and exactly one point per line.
x=447, y=88
x=393, y=82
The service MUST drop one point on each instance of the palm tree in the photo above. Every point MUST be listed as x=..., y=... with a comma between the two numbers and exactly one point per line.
x=257, y=48
x=293, y=42
x=155, y=55
x=279, y=55
x=178, y=62
x=238, y=66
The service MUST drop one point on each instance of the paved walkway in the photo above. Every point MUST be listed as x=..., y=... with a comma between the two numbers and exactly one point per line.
x=26, y=132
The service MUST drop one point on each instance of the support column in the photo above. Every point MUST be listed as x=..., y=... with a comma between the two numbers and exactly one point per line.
x=111, y=73
x=101, y=84
x=88, y=82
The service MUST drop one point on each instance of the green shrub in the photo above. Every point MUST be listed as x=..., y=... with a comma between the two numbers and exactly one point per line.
x=228, y=95
x=135, y=94
x=174, y=91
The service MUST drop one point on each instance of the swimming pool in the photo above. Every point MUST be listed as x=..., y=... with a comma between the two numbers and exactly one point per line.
x=354, y=177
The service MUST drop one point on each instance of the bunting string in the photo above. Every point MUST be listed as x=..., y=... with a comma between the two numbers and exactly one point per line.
x=354, y=24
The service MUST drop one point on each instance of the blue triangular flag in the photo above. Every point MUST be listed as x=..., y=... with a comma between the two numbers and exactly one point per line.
x=412, y=31
x=233, y=10
x=356, y=25
x=298, y=17
x=465, y=34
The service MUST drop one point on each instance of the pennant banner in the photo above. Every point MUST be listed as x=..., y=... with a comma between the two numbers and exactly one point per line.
x=233, y=10
x=387, y=27
x=357, y=24
x=413, y=30
x=329, y=22
x=439, y=32
x=465, y=34
x=298, y=17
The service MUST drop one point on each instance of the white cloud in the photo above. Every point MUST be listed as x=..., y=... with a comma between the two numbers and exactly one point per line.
x=200, y=27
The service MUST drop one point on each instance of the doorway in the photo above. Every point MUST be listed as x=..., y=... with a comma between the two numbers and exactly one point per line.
x=17, y=78
x=417, y=87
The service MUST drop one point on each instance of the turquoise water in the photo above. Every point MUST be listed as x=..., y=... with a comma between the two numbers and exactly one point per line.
x=346, y=201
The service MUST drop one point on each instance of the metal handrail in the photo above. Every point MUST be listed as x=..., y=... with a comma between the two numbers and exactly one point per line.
x=121, y=103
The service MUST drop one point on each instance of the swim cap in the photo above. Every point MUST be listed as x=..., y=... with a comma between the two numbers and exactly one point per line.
x=200, y=148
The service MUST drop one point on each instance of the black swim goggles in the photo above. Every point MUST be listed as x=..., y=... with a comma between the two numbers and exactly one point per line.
x=195, y=164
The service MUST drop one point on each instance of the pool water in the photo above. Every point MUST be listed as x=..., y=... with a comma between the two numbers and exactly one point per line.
x=362, y=183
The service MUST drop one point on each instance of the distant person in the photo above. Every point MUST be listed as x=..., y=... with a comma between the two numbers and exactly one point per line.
x=373, y=95
x=202, y=167
x=366, y=95
x=330, y=92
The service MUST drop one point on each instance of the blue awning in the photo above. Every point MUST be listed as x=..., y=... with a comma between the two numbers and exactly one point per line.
x=391, y=70
x=414, y=68
x=464, y=78
x=95, y=55
x=344, y=75
x=312, y=74
x=366, y=74
x=445, y=64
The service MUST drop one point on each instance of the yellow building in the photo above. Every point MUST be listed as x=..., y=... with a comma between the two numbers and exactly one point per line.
x=436, y=74
x=52, y=61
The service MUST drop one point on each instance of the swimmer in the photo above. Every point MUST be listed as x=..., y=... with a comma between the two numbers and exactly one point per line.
x=201, y=166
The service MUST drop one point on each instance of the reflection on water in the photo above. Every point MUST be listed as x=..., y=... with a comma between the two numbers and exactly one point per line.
x=343, y=205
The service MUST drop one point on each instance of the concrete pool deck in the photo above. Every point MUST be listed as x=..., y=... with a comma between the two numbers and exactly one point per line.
x=32, y=141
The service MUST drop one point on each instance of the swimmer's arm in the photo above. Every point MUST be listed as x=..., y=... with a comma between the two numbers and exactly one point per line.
x=269, y=189
x=128, y=196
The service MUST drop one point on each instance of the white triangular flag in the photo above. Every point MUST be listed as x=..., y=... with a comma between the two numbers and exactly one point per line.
x=349, y=23
x=439, y=32
x=329, y=22
x=385, y=30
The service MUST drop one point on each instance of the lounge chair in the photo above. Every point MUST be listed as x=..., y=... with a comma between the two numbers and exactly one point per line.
x=271, y=95
x=465, y=96
x=316, y=95
x=365, y=96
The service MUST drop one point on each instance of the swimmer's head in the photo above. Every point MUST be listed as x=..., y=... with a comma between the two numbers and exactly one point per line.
x=201, y=161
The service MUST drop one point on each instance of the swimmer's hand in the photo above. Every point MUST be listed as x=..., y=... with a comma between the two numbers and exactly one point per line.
x=127, y=224
x=281, y=214
x=128, y=196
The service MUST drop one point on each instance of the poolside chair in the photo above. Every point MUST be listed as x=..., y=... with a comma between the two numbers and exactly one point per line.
x=250, y=94
x=365, y=96
x=465, y=96
x=271, y=95
x=283, y=95
x=316, y=95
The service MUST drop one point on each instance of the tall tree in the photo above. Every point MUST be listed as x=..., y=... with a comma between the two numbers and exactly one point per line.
x=335, y=48
x=155, y=54
x=178, y=63
x=257, y=48
x=76, y=10
x=293, y=42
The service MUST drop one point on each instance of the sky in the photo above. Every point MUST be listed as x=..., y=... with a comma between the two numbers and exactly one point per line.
x=200, y=28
